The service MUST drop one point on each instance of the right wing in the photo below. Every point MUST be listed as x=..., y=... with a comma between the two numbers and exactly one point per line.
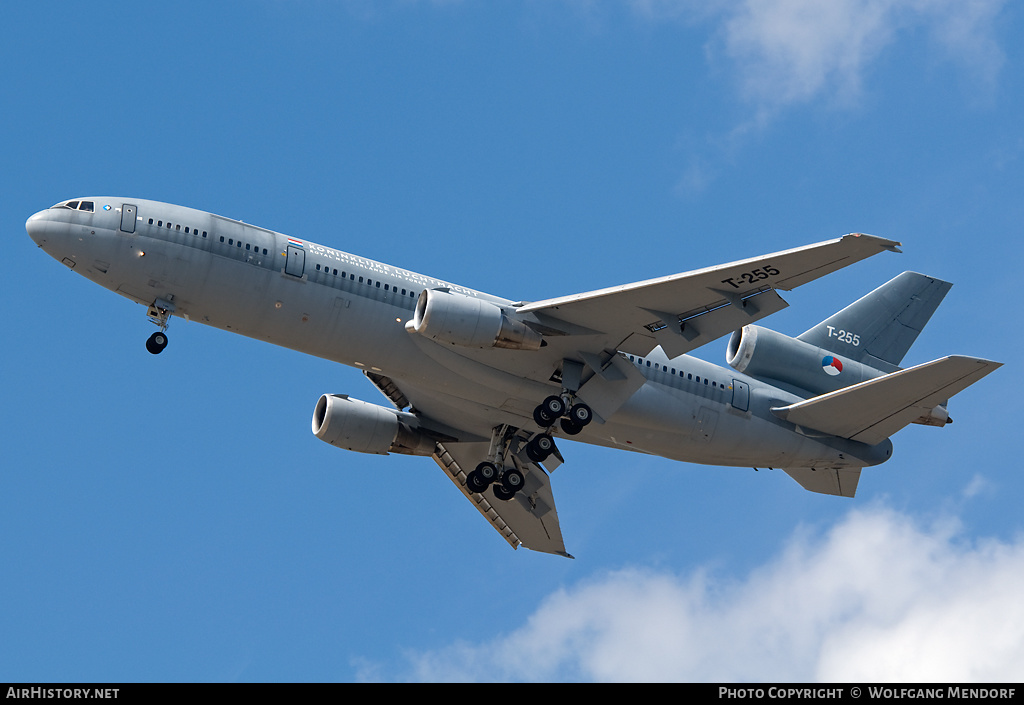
x=684, y=311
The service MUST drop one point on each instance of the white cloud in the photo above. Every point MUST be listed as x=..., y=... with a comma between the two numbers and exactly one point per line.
x=787, y=52
x=877, y=598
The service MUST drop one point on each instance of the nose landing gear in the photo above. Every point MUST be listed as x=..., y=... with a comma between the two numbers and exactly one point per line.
x=159, y=313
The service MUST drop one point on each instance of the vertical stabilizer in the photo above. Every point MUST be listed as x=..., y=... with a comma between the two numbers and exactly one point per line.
x=879, y=328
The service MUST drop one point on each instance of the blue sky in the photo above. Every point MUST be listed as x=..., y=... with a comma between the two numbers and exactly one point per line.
x=172, y=518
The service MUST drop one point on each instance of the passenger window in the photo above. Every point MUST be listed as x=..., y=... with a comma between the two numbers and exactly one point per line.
x=150, y=221
x=264, y=249
x=168, y=225
x=159, y=223
x=222, y=238
x=247, y=245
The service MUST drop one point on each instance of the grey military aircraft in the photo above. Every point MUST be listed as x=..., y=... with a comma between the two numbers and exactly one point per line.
x=486, y=385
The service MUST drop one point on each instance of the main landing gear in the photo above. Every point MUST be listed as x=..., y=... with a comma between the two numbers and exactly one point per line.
x=574, y=415
x=501, y=471
x=159, y=313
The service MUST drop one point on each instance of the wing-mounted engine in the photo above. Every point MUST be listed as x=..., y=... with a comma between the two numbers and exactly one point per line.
x=367, y=428
x=470, y=322
x=767, y=354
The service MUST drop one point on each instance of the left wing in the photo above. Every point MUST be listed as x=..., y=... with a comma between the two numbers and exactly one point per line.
x=528, y=519
x=684, y=311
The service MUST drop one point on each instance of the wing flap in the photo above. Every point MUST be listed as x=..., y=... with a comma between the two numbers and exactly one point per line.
x=872, y=411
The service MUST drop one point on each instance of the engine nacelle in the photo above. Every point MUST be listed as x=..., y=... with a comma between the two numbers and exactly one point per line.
x=469, y=322
x=367, y=428
x=764, y=353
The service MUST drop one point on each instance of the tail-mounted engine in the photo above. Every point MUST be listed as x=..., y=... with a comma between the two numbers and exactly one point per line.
x=469, y=322
x=367, y=428
x=766, y=354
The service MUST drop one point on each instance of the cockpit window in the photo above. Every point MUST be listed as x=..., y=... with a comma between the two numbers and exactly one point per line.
x=88, y=206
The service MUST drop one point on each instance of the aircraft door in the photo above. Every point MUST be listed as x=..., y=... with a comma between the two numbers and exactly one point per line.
x=128, y=218
x=296, y=261
x=740, y=395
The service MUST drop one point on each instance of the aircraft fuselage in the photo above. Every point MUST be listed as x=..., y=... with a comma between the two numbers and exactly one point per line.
x=352, y=310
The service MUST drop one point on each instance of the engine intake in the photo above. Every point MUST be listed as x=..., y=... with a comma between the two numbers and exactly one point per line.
x=367, y=428
x=469, y=322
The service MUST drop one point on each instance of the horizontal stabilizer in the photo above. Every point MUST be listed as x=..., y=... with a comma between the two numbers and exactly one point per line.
x=872, y=411
x=838, y=481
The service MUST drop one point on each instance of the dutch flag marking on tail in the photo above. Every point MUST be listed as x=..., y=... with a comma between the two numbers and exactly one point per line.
x=831, y=365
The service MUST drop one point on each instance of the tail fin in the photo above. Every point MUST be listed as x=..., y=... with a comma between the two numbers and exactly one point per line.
x=879, y=328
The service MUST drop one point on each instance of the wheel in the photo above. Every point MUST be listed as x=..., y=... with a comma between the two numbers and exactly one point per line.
x=553, y=406
x=540, y=447
x=541, y=417
x=501, y=493
x=581, y=414
x=156, y=342
x=571, y=427
x=512, y=480
x=475, y=482
x=487, y=472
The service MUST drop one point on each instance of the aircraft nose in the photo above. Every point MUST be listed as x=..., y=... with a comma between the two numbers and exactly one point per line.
x=36, y=227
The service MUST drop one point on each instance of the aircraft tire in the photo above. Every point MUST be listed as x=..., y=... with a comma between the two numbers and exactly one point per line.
x=581, y=414
x=513, y=480
x=487, y=472
x=540, y=447
x=553, y=406
x=475, y=482
x=571, y=427
x=156, y=343
x=501, y=493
